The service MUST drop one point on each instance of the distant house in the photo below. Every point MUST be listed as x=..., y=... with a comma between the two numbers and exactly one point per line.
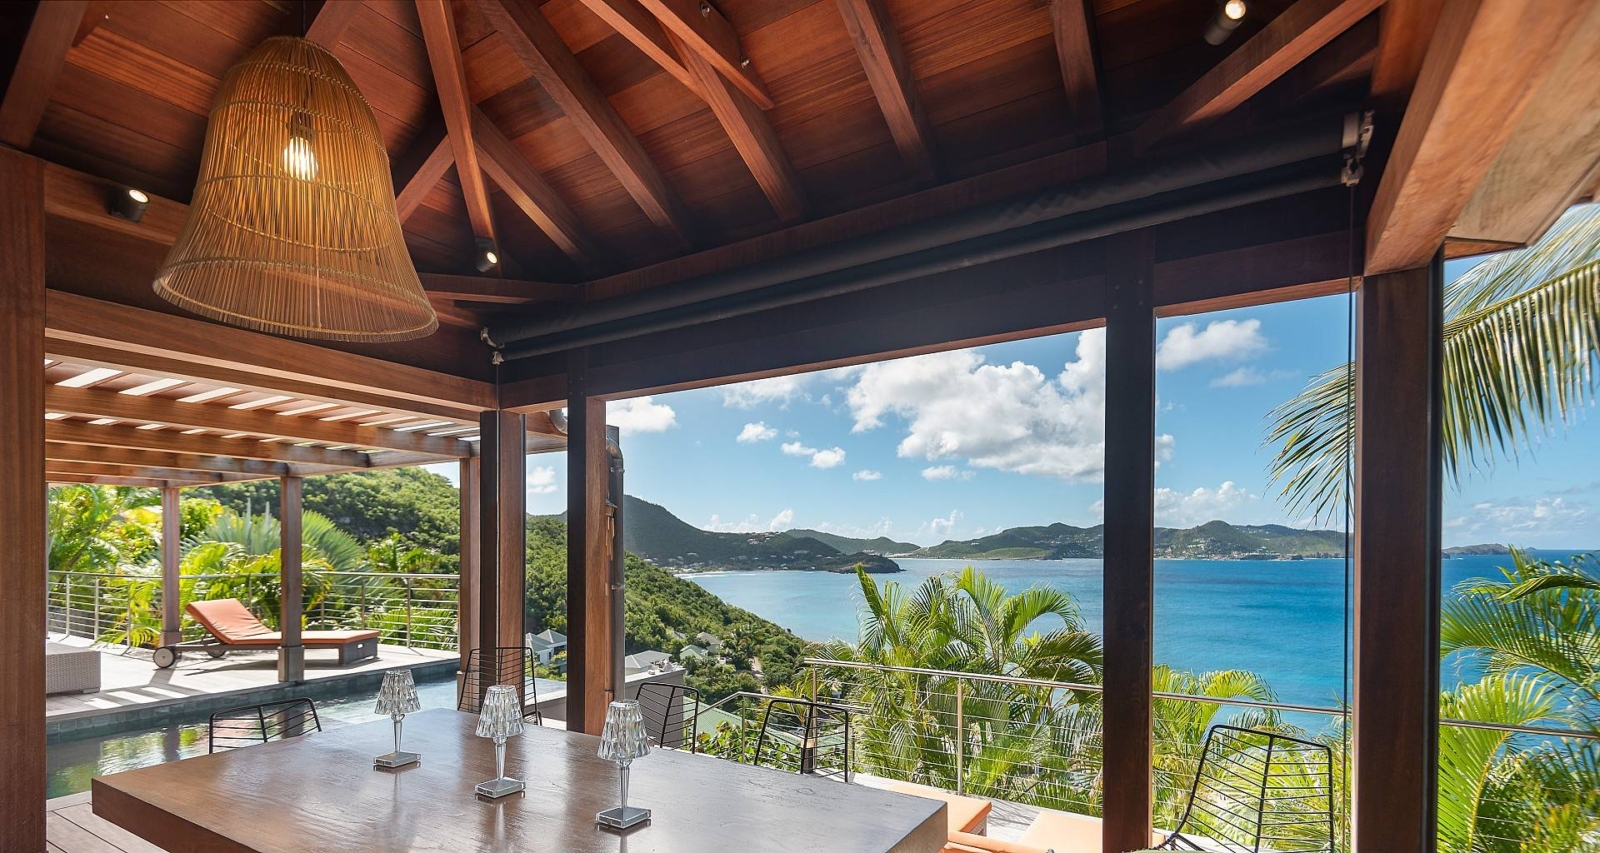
x=645, y=661
x=692, y=651
x=546, y=645
x=709, y=640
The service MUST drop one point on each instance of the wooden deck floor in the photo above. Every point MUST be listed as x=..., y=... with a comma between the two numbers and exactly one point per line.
x=71, y=827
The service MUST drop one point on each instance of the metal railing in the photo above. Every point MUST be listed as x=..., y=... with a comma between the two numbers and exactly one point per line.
x=407, y=609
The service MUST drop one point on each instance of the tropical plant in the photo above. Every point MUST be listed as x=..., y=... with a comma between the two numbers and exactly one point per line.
x=1520, y=350
x=1178, y=727
x=88, y=527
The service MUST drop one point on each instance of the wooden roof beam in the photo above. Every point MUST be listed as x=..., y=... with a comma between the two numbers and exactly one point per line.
x=1486, y=61
x=1072, y=24
x=707, y=33
x=102, y=480
x=1299, y=31
x=174, y=441
x=503, y=291
x=331, y=22
x=263, y=422
x=546, y=57
x=751, y=134
x=421, y=169
x=111, y=469
x=1404, y=29
x=510, y=171
x=450, y=80
x=644, y=32
x=67, y=452
x=44, y=52
x=889, y=74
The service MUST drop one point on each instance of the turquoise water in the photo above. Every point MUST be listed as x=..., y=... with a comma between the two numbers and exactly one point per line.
x=1281, y=619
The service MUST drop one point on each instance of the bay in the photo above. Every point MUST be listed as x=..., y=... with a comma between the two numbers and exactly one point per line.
x=1282, y=619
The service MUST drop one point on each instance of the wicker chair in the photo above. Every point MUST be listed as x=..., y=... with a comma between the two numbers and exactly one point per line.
x=249, y=725
x=511, y=665
x=1257, y=791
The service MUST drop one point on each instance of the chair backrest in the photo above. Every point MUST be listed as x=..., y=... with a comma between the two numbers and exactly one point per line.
x=249, y=725
x=671, y=714
x=811, y=738
x=227, y=617
x=1258, y=791
x=511, y=665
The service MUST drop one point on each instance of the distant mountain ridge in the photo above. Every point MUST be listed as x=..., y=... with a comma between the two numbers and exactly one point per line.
x=1214, y=540
x=881, y=545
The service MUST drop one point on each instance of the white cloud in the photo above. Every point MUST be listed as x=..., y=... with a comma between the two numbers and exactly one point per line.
x=939, y=529
x=541, y=481
x=755, y=432
x=1228, y=340
x=781, y=520
x=1517, y=520
x=1187, y=509
x=751, y=523
x=776, y=389
x=945, y=472
x=866, y=475
x=1249, y=376
x=831, y=458
x=640, y=414
x=795, y=448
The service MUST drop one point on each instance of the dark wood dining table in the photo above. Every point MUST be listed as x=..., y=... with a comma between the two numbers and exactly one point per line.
x=321, y=794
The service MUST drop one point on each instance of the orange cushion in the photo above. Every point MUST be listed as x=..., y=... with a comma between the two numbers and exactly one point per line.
x=967, y=814
x=335, y=638
x=231, y=622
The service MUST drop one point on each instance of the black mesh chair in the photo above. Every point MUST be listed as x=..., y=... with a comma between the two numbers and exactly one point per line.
x=511, y=665
x=249, y=725
x=811, y=738
x=671, y=714
x=1258, y=791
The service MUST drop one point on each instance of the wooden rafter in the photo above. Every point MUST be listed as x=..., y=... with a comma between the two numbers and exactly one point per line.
x=450, y=80
x=163, y=410
x=751, y=134
x=44, y=52
x=889, y=74
x=1474, y=86
x=67, y=452
x=332, y=20
x=1404, y=29
x=421, y=169
x=505, y=291
x=532, y=194
x=101, y=480
x=644, y=32
x=707, y=33
x=541, y=51
x=1072, y=24
x=54, y=468
x=75, y=432
x=1295, y=34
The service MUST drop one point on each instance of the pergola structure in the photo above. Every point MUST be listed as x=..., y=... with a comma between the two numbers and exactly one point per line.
x=688, y=193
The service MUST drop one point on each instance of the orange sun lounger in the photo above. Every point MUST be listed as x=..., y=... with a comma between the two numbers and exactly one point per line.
x=233, y=626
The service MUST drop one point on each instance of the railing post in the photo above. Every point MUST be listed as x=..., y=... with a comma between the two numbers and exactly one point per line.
x=66, y=598
x=94, y=625
x=961, y=736
x=406, y=582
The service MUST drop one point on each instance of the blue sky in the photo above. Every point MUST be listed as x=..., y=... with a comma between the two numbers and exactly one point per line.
x=963, y=443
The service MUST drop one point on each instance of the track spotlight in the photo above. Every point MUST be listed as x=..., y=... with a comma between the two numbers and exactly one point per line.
x=1229, y=15
x=129, y=203
x=488, y=257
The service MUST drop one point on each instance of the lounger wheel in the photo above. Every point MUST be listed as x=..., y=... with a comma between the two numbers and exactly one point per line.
x=165, y=657
x=216, y=653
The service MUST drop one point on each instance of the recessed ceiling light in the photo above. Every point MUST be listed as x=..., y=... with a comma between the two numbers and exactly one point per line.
x=423, y=425
x=89, y=377
x=1229, y=15
x=345, y=416
x=388, y=420
x=54, y=416
x=152, y=426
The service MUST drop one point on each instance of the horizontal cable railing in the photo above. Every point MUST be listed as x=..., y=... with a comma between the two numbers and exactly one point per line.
x=416, y=610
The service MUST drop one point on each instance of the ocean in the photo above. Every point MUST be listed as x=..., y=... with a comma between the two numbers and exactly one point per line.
x=1284, y=620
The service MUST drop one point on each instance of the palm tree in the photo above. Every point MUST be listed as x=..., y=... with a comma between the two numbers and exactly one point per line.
x=1521, y=344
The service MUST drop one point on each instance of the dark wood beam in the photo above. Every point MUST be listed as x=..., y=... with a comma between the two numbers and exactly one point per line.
x=502, y=588
x=331, y=22
x=878, y=46
x=1297, y=32
x=1552, y=158
x=1072, y=23
x=1405, y=28
x=450, y=81
x=644, y=32
x=291, y=603
x=174, y=441
x=503, y=291
x=708, y=34
x=751, y=134
x=547, y=58
x=171, y=566
x=73, y=319
x=510, y=171
x=90, y=402
x=1474, y=86
x=1398, y=483
x=68, y=452
x=1129, y=564
x=1347, y=58
x=99, y=12
x=22, y=502
x=588, y=594
x=44, y=52
x=421, y=169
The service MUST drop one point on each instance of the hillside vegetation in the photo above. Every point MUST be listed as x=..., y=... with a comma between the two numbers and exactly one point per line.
x=1217, y=540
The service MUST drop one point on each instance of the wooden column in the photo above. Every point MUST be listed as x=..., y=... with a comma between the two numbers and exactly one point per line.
x=503, y=487
x=171, y=556
x=1129, y=562
x=1397, y=572
x=588, y=593
x=471, y=559
x=22, y=503
x=291, y=654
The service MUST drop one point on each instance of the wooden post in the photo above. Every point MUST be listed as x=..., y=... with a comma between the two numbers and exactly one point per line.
x=291, y=654
x=22, y=503
x=502, y=580
x=471, y=559
x=1397, y=570
x=171, y=556
x=1129, y=563
x=588, y=593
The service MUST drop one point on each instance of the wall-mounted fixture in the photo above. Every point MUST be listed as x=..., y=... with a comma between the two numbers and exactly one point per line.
x=487, y=256
x=129, y=203
x=1229, y=15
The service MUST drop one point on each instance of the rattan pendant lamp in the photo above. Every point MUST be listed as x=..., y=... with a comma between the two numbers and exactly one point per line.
x=292, y=228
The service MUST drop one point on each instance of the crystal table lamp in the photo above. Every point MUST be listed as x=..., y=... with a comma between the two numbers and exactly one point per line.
x=501, y=718
x=397, y=698
x=622, y=740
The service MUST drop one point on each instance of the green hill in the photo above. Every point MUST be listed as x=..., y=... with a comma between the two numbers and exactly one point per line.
x=881, y=545
x=1216, y=540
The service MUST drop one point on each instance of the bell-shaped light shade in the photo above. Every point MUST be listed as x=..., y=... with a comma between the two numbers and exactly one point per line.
x=398, y=695
x=292, y=228
x=623, y=738
x=502, y=713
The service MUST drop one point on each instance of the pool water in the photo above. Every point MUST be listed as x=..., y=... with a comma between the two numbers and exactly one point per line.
x=71, y=764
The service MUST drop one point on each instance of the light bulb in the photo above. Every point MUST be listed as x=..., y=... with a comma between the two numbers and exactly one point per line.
x=492, y=258
x=1234, y=9
x=298, y=160
x=139, y=196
